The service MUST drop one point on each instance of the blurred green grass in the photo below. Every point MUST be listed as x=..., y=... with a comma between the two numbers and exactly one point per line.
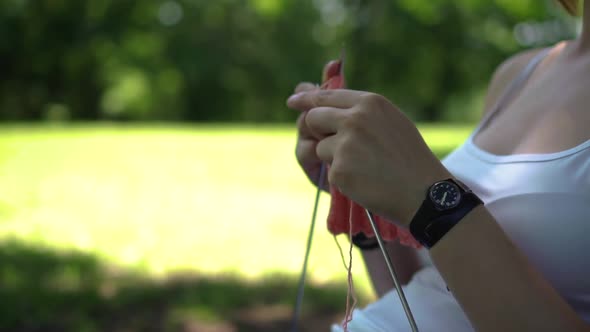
x=163, y=199
x=212, y=198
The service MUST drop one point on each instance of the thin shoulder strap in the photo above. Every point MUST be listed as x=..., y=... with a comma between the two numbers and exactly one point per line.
x=515, y=86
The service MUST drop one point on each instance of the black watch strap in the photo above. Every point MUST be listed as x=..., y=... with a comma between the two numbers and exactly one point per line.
x=430, y=224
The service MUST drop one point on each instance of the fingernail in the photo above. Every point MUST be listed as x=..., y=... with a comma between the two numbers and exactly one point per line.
x=295, y=97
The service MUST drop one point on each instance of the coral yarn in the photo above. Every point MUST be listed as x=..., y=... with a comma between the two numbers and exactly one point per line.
x=342, y=209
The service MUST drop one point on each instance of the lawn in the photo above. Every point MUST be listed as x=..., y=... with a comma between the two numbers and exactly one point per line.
x=219, y=210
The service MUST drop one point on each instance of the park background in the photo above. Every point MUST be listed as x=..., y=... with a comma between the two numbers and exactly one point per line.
x=147, y=172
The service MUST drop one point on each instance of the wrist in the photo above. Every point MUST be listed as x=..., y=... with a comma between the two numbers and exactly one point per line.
x=419, y=193
x=446, y=204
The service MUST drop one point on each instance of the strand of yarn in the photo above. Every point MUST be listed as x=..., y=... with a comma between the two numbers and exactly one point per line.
x=350, y=292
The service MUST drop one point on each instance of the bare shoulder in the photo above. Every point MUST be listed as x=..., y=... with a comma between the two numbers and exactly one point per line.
x=505, y=73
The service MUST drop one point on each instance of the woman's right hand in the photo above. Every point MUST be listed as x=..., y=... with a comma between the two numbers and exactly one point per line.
x=305, y=150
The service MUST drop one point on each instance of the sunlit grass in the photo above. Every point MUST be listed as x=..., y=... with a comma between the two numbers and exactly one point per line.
x=212, y=199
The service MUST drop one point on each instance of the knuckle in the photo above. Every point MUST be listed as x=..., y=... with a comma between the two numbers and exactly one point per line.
x=357, y=114
x=356, y=121
x=310, y=117
x=302, y=127
x=374, y=101
x=347, y=146
x=314, y=116
x=322, y=96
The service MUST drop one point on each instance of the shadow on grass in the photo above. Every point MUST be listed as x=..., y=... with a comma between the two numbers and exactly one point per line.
x=48, y=290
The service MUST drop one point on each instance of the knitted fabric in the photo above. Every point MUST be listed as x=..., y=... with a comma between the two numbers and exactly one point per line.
x=342, y=209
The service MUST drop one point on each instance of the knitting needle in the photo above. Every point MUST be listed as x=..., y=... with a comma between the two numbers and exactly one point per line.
x=301, y=285
x=398, y=286
x=321, y=181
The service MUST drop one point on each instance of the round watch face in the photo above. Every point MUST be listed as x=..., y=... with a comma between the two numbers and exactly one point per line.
x=445, y=195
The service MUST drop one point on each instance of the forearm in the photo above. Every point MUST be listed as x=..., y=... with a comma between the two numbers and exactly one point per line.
x=494, y=283
x=405, y=260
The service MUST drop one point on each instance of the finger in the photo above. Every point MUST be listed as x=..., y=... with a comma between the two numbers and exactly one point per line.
x=307, y=157
x=305, y=86
x=302, y=127
x=326, y=147
x=339, y=98
x=305, y=151
x=324, y=121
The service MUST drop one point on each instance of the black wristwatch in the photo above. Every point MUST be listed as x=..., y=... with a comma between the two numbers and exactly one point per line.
x=446, y=203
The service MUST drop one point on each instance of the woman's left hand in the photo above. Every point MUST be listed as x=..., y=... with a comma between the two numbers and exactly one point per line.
x=377, y=156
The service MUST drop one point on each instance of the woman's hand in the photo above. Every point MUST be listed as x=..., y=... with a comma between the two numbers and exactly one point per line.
x=306, y=142
x=377, y=156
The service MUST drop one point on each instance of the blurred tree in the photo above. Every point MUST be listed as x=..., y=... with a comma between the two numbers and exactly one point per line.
x=426, y=55
x=237, y=60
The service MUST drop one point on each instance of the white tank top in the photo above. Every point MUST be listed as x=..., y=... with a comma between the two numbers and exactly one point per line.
x=542, y=201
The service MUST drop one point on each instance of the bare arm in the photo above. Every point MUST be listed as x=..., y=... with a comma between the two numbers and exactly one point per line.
x=491, y=279
x=495, y=284
x=406, y=260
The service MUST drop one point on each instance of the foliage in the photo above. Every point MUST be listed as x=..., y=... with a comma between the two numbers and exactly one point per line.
x=237, y=60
